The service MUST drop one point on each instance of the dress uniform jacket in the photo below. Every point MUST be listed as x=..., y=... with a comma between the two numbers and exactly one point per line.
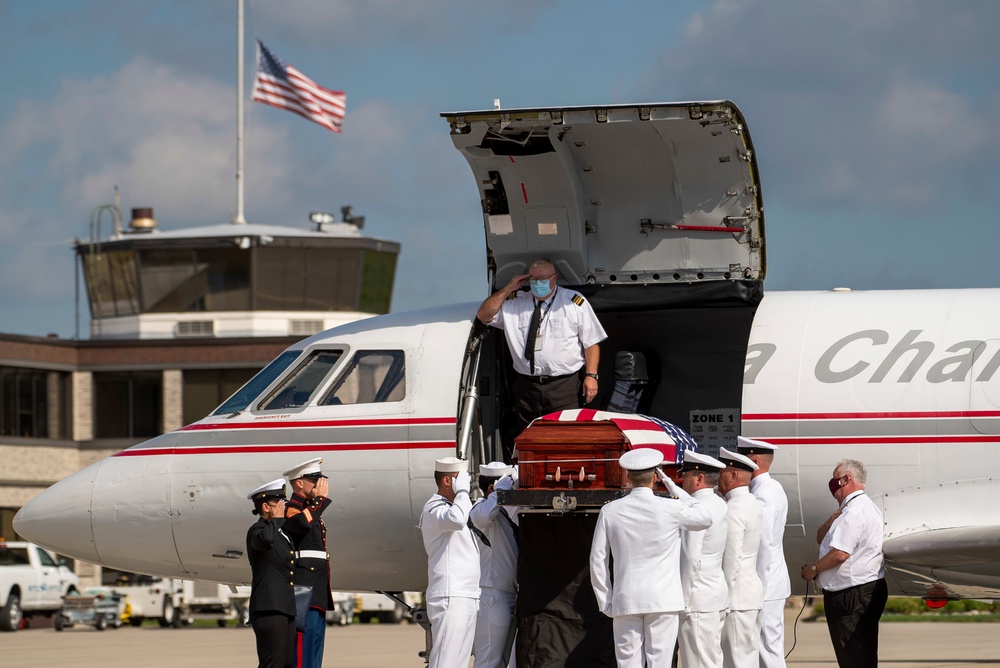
x=308, y=532
x=452, y=552
x=771, y=565
x=498, y=562
x=739, y=563
x=272, y=562
x=702, y=580
x=642, y=532
x=568, y=326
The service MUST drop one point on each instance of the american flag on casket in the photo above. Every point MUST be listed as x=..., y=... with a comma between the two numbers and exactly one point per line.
x=642, y=431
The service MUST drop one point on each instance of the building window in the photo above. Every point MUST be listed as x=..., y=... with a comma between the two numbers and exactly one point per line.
x=128, y=404
x=24, y=403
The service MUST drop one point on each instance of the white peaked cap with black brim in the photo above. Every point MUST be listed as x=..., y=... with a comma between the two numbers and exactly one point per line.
x=736, y=460
x=750, y=446
x=697, y=461
x=269, y=490
x=641, y=459
x=309, y=469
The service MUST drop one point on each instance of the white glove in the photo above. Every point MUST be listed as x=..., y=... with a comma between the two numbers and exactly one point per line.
x=463, y=482
x=505, y=483
x=514, y=476
x=672, y=486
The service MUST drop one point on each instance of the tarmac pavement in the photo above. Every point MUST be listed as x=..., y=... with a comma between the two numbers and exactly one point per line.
x=902, y=645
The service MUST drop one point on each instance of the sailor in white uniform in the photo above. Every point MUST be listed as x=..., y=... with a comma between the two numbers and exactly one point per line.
x=496, y=530
x=741, y=631
x=706, y=595
x=641, y=534
x=771, y=557
x=452, y=565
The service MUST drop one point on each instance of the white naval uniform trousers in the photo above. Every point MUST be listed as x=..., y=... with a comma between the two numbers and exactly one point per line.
x=495, y=625
x=741, y=631
x=705, y=592
x=452, y=579
x=772, y=569
x=643, y=595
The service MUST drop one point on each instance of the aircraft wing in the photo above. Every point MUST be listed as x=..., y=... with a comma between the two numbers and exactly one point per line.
x=946, y=563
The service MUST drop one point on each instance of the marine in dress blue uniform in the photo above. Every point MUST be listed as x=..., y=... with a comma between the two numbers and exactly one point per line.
x=272, y=562
x=553, y=336
x=304, y=523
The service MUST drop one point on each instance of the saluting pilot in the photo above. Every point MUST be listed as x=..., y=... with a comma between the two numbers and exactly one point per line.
x=304, y=523
x=771, y=565
x=741, y=630
x=272, y=563
x=640, y=534
x=497, y=533
x=706, y=594
x=452, y=565
x=553, y=336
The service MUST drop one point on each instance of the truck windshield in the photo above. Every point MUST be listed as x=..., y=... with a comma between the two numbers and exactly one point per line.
x=257, y=384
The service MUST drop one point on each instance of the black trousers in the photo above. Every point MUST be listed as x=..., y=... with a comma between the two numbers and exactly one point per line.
x=852, y=616
x=533, y=399
x=275, y=634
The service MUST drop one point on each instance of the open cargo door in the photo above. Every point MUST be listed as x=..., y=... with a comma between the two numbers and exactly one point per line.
x=617, y=194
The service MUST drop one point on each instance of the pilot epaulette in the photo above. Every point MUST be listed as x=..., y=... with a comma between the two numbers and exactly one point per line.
x=513, y=295
x=578, y=300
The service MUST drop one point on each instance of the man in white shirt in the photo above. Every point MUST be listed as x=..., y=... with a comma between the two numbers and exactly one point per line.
x=741, y=630
x=553, y=336
x=851, y=569
x=641, y=534
x=452, y=565
x=771, y=565
x=496, y=529
x=706, y=595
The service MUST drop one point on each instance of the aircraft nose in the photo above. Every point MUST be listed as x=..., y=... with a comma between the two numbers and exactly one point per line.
x=60, y=517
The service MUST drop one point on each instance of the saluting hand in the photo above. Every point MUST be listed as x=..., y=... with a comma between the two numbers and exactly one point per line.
x=516, y=282
x=322, y=487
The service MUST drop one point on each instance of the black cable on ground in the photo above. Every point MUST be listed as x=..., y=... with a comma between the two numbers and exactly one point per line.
x=795, y=624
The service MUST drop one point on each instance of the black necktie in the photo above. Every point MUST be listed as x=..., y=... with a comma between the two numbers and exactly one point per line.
x=477, y=532
x=529, y=345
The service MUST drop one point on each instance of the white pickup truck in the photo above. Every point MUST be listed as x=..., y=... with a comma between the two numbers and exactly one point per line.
x=32, y=582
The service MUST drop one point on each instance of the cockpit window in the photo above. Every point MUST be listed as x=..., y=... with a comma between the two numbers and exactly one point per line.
x=253, y=387
x=372, y=377
x=296, y=391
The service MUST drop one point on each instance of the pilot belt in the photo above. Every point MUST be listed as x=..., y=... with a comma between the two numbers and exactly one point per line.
x=542, y=380
x=311, y=554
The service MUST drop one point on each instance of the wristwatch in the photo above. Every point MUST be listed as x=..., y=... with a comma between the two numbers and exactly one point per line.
x=592, y=375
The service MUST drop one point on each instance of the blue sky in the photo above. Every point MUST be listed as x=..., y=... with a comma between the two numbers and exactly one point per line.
x=875, y=125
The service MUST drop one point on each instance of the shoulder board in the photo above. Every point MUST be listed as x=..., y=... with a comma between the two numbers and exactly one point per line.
x=512, y=295
x=578, y=300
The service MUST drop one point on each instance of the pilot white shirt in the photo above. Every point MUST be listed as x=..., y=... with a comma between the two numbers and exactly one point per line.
x=568, y=326
x=452, y=552
x=498, y=562
x=701, y=558
x=858, y=532
x=771, y=566
x=739, y=562
x=642, y=533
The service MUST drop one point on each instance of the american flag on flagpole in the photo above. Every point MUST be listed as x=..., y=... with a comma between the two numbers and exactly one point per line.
x=281, y=85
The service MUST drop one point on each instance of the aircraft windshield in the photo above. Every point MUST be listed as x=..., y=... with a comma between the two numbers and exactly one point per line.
x=297, y=389
x=257, y=384
x=373, y=376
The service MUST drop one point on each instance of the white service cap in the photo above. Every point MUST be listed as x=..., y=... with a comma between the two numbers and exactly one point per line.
x=641, y=459
x=309, y=469
x=269, y=490
x=697, y=461
x=449, y=465
x=749, y=446
x=495, y=469
x=736, y=460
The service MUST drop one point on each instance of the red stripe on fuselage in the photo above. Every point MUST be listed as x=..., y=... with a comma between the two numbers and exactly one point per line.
x=304, y=447
x=302, y=424
x=870, y=416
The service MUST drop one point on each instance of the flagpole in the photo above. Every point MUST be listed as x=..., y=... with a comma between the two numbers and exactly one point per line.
x=239, y=219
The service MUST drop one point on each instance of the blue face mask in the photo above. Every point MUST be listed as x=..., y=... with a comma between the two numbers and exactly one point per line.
x=541, y=288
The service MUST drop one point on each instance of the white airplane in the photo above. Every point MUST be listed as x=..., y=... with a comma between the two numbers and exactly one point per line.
x=655, y=213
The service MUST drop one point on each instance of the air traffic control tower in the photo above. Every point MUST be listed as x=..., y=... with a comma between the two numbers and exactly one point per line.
x=233, y=280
